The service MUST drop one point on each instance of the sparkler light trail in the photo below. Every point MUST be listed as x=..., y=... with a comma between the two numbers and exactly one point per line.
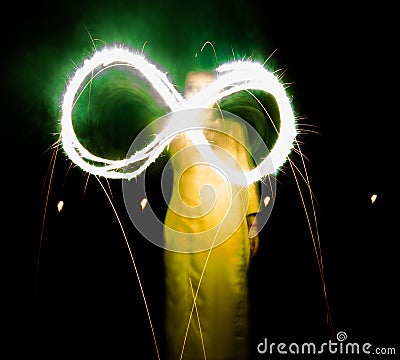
x=232, y=77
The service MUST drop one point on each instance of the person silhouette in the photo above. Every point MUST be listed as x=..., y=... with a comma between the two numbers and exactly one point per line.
x=214, y=224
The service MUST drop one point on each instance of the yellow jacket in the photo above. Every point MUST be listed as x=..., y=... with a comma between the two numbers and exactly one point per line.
x=206, y=278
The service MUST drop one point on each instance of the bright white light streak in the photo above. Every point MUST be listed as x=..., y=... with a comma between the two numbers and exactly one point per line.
x=373, y=198
x=60, y=205
x=232, y=77
x=266, y=201
x=143, y=203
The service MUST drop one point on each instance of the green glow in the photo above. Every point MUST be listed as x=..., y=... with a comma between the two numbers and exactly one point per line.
x=171, y=34
x=112, y=110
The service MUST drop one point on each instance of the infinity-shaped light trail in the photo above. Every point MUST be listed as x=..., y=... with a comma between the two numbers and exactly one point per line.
x=231, y=77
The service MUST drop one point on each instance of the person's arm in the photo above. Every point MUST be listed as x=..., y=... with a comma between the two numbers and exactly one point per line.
x=254, y=197
x=254, y=238
x=253, y=208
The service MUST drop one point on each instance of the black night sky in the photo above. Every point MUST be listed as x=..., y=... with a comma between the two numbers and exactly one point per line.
x=70, y=284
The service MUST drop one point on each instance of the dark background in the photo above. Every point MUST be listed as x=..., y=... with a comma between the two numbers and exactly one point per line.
x=70, y=283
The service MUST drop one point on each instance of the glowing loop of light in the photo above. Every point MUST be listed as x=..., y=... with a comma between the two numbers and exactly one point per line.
x=232, y=77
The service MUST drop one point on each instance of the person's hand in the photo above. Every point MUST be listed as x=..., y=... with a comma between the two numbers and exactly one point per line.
x=254, y=242
x=254, y=239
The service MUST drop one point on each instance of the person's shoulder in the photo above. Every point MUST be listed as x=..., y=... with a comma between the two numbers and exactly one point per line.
x=236, y=129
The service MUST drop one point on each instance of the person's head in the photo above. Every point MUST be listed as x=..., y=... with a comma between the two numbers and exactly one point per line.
x=196, y=80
